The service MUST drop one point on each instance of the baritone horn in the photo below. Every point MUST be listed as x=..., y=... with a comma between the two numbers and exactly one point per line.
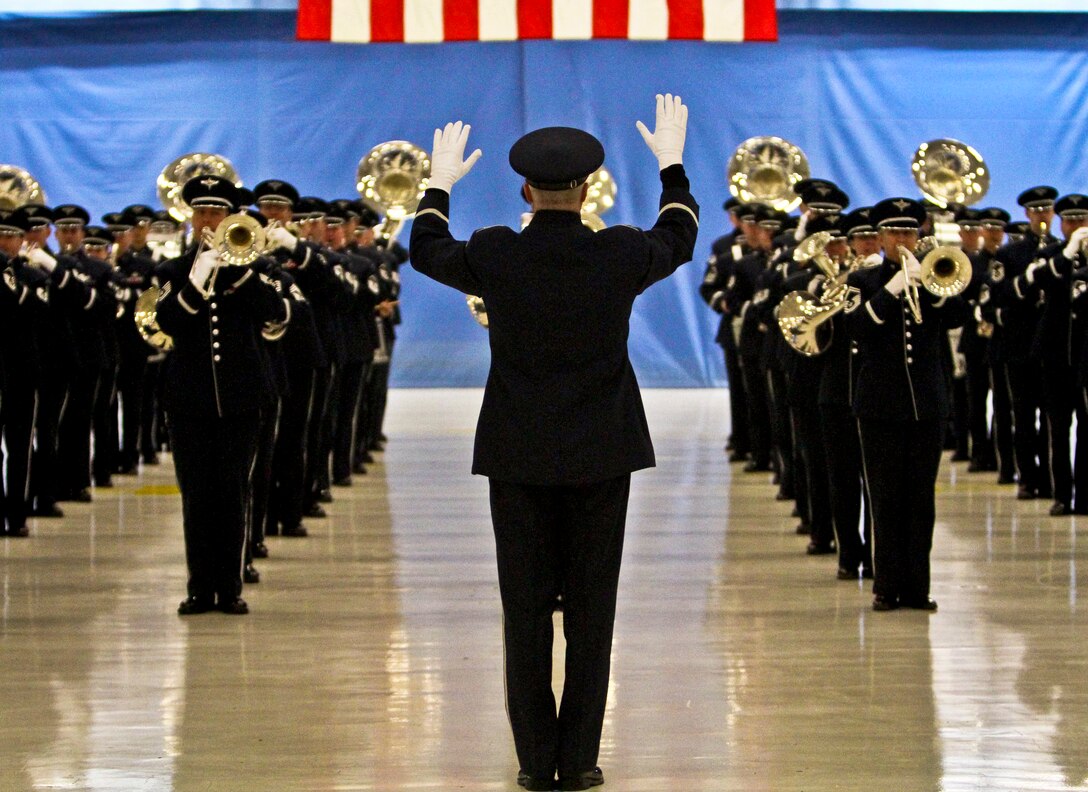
x=19, y=188
x=802, y=317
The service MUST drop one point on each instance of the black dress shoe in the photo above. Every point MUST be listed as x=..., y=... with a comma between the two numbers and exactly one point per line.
x=803, y=529
x=272, y=529
x=927, y=604
x=1006, y=478
x=539, y=783
x=737, y=456
x=47, y=510
x=755, y=466
x=152, y=459
x=359, y=468
x=324, y=496
x=1024, y=492
x=1059, y=509
x=234, y=606
x=382, y=438
x=585, y=780
x=960, y=456
x=782, y=495
x=250, y=574
x=846, y=574
x=260, y=550
x=126, y=470
x=882, y=603
x=867, y=572
x=294, y=530
x=1043, y=492
x=796, y=512
x=342, y=481
x=104, y=482
x=313, y=511
x=19, y=532
x=368, y=457
x=192, y=605
x=79, y=496
x=820, y=548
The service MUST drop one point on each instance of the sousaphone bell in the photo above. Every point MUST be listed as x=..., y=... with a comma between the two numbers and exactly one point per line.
x=764, y=169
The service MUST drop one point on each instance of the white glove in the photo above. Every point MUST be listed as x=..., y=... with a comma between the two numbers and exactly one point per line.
x=448, y=163
x=1033, y=267
x=282, y=238
x=203, y=268
x=40, y=258
x=670, y=129
x=872, y=260
x=897, y=284
x=1076, y=242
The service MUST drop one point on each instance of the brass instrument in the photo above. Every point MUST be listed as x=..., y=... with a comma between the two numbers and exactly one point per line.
x=392, y=178
x=910, y=291
x=477, y=308
x=803, y=317
x=764, y=169
x=946, y=270
x=147, y=323
x=19, y=188
x=188, y=166
x=948, y=171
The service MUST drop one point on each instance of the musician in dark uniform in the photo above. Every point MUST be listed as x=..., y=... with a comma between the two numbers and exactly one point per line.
x=1057, y=345
x=217, y=381
x=1018, y=317
x=562, y=425
x=901, y=402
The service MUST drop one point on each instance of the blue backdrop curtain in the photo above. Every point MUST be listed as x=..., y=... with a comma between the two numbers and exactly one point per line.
x=95, y=106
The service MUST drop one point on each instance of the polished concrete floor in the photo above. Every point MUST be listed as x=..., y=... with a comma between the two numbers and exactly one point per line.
x=372, y=657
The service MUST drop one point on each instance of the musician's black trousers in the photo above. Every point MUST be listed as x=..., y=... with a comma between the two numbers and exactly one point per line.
x=551, y=541
x=1030, y=438
x=901, y=461
x=738, y=399
x=213, y=460
x=1003, y=442
x=842, y=447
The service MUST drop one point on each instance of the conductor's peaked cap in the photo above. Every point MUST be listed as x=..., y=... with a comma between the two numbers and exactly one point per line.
x=556, y=158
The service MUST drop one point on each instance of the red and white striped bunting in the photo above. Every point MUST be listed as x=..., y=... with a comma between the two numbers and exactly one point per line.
x=432, y=21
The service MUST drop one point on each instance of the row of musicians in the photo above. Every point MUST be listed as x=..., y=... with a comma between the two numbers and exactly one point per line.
x=773, y=388
x=74, y=364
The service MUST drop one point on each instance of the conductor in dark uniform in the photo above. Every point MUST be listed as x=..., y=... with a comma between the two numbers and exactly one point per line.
x=562, y=425
x=216, y=382
x=901, y=402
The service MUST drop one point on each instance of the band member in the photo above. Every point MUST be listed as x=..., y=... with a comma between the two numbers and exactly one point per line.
x=901, y=402
x=1058, y=345
x=1018, y=318
x=217, y=381
x=562, y=425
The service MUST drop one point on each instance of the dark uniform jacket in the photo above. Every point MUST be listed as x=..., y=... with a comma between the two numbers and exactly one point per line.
x=901, y=377
x=219, y=366
x=1016, y=310
x=561, y=405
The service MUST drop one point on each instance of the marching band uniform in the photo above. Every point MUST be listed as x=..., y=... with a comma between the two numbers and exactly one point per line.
x=901, y=402
x=216, y=382
x=562, y=425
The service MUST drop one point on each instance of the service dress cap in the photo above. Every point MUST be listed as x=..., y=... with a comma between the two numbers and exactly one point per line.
x=966, y=217
x=800, y=187
x=858, y=222
x=831, y=223
x=210, y=191
x=556, y=158
x=1040, y=197
x=1072, y=207
x=13, y=222
x=142, y=213
x=993, y=216
x=901, y=213
x=117, y=222
x=825, y=197
x=70, y=214
x=276, y=191
x=97, y=235
x=39, y=215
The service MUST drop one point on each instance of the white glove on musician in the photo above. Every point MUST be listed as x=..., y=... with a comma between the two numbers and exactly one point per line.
x=912, y=270
x=1033, y=267
x=39, y=258
x=1076, y=242
x=202, y=270
x=448, y=163
x=282, y=238
x=670, y=130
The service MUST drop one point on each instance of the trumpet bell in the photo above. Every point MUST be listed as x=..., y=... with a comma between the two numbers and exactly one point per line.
x=803, y=320
x=147, y=322
x=949, y=171
x=19, y=188
x=240, y=240
x=188, y=166
x=764, y=169
x=946, y=271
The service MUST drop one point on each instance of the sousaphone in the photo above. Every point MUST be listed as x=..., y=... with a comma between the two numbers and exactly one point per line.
x=392, y=178
x=19, y=188
x=764, y=169
x=188, y=166
x=949, y=171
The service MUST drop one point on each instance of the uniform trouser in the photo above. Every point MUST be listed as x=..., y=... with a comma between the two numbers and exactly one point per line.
x=842, y=450
x=317, y=464
x=759, y=416
x=105, y=427
x=130, y=389
x=738, y=400
x=782, y=437
x=550, y=541
x=352, y=377
x=1060, y=403
x=45, y=470
x=961, y=421
x=261, y=485
x=810, y=442
x=289, y=491
x=1002, y=431
x=901, y=459
x=149, y=414
x=1030, y=440
x=1080, y=455
x=978, y=388
x=377, y=396
x=17, y=412
x=213, y=459
x=75, y=431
